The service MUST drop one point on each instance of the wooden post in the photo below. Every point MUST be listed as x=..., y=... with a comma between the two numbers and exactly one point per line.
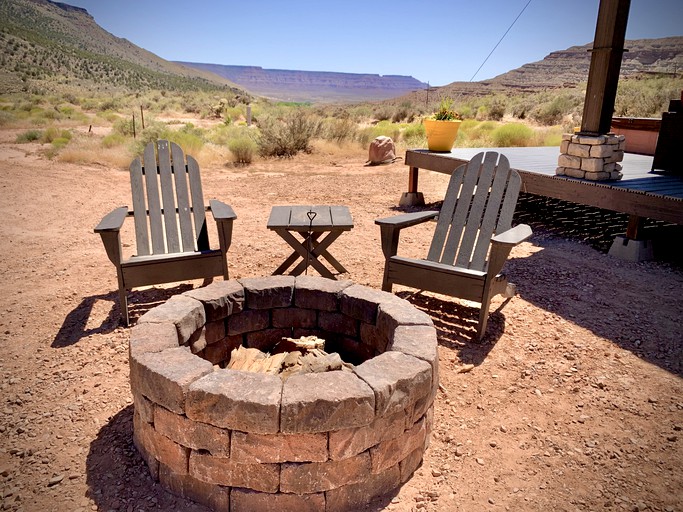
x=412, y=180
x=635, y=227
x=134, y=126
x=142, y=117
x=603, y=77
x=248, y=115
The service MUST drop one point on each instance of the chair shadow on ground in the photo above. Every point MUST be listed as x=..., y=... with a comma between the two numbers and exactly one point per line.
x=456, y=325
x=77, y=323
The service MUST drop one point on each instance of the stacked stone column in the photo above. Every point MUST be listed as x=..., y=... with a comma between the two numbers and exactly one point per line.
x=590, y=157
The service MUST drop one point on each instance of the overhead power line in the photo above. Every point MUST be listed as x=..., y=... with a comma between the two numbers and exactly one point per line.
x=500, y=40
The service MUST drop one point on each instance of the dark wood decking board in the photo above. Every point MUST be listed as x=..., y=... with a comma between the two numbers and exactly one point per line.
x=640, y=192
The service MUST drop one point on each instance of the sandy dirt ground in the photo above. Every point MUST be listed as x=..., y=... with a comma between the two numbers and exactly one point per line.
x=573, y=402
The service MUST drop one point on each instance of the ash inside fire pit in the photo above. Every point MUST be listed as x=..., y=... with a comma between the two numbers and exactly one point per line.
x=240, y=440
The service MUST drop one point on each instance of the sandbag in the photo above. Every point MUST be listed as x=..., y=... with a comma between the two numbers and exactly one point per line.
x=382, y=151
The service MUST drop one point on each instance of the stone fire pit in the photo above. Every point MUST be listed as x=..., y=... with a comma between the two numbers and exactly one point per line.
x=241, y=441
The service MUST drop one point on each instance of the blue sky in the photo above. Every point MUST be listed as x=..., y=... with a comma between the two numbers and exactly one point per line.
x=435, y=41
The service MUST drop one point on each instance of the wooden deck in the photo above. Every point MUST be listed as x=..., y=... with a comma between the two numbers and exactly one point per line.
x=639, y=193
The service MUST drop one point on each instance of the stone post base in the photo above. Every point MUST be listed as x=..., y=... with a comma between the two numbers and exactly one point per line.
x=631, y=250
x=591, y=157
x=411, y=199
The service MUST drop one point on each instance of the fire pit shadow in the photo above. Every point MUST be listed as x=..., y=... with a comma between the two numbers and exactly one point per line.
x=239, y=440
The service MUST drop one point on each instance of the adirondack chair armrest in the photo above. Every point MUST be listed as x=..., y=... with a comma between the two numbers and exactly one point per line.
x=221, y=211
x=113, y=220
x=407, y=219
x=224, y=215
x=513, y=236
x=502, y=244
x=109, y=230
x=390, y=228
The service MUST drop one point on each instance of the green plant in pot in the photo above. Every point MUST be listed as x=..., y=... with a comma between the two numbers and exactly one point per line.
x=442, y=126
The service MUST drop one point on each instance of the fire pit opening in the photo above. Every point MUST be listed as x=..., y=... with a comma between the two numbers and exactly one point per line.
x=236, y=428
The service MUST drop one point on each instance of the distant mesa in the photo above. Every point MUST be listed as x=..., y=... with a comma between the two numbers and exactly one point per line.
x=292, y=85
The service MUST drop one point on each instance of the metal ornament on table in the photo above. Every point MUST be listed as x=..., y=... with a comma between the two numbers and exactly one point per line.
x=311, y=215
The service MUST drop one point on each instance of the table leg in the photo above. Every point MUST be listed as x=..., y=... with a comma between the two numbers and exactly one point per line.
x=302, y=251
x=412, y=180
x=412, y=197
x=319, y=249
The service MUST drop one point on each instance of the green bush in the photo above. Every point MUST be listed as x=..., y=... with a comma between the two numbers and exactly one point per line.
x=49, y=134
x=123, y=126
x=340, y=130
x=512, y=134
x=113, y=140
x=191, y=143
x=414, y=135
x=29, y=136
x=243, y=150
x=60, y=142
x=6, y=117
x=552, y=112
x=288, y=135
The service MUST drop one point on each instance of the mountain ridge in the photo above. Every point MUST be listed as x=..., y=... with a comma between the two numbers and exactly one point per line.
x=48, y=45
x=298, y=85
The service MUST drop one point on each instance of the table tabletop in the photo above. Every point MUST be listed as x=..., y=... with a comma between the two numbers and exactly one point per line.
x=296, y=218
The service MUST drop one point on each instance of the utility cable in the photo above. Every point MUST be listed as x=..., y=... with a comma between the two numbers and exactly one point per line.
x=500, y=40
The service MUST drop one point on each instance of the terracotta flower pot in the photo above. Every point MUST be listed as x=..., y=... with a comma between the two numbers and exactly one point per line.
x=441, y=134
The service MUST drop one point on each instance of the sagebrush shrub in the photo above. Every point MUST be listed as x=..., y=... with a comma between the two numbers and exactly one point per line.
x=289, y=135
x=243, y=150
x=29, y=136
x=512, y=134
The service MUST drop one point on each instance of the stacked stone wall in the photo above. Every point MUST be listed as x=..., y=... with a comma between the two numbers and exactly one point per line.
x=591, y=157
x=242, y=441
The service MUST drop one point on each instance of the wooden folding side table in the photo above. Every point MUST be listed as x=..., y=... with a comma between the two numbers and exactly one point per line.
x=310, y=223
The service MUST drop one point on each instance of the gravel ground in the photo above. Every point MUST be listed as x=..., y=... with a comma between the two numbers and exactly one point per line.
x=573, y=402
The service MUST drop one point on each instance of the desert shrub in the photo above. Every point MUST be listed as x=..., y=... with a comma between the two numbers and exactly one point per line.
x=548, y=136
x=496, y=108
x=70, y=97
x=414, y=134
x=190, y=142
x=6, y=117
x=111, y=116
x=234, y=113
x=288, y=135
x=552, y=112
x=402, y=113
x=113, y=140
x=243, y=150
x=60, y=142
x=112, y=103
x=340, y=130
x=29, y=136
x=123, y=126
x=646, y=97
x=382, y=113
x=49, y=134
x=386, y=128
x=512, y=134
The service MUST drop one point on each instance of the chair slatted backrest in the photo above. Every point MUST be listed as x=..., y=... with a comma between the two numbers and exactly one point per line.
x=168, y=203
x=479, y=203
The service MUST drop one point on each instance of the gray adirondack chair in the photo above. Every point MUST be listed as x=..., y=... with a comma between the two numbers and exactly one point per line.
x=472, y=239
x=170, y=224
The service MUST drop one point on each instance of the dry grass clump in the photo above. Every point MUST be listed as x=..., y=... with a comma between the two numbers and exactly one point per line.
x=88, y=149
